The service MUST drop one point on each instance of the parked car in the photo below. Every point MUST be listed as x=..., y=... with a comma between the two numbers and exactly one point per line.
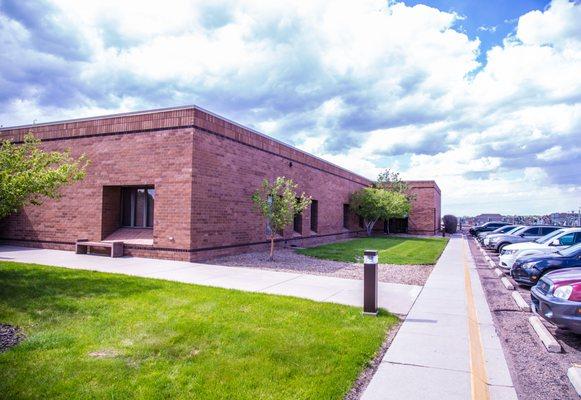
x=556, y=240
x=503, y=229
x=513, y=231
x=557, y=298
x=528, y=270
x=488, y=226
x=530, y=233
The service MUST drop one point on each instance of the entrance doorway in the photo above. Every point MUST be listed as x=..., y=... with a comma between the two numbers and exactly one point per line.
x=396, y=225
x=137, y=205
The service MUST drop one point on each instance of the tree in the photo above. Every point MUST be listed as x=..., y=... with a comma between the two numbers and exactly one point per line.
x=373, y=204
x=29, y=174
x=390, y=180
x=450, y=224
x=278, y=203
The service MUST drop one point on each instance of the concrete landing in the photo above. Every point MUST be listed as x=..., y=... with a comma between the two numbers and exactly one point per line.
x=397, y=298
x=447, y=348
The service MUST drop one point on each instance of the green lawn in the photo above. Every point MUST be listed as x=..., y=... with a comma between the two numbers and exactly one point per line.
x=392, y=250
x=101, y=336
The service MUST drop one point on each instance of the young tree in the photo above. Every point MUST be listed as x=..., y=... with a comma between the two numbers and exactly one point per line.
x=390, y=180
x=373, y=204
x=28, y=174
x=278, y=203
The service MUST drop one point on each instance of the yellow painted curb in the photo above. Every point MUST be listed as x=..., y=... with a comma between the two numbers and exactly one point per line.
x=478, y=377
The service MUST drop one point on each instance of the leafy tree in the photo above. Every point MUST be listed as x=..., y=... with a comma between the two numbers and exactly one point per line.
x=29, y=174
x=390, y=180
x=373, y=204
x=450, y=224
x=278, y=203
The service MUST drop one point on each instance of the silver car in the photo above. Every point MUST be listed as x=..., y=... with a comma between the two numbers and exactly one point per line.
x=503, y=229
x=528, y=234
x=515, y=230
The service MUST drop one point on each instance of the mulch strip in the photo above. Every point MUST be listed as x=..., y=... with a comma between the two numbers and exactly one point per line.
x=10, y=336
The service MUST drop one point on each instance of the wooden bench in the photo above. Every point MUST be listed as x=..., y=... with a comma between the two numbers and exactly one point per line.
x=83, y=247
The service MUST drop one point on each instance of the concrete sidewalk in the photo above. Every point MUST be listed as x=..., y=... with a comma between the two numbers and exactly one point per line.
x=396, y=298
x=447, y=348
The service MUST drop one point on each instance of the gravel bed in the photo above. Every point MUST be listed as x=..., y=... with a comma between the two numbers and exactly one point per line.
x=536, y=373
x=288, y=260
x=10, y=336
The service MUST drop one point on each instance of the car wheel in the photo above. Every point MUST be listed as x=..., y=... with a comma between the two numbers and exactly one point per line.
x=501, y=246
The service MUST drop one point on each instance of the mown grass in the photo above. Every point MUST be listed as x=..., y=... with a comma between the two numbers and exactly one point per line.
x=392, y=250
x=92, y=335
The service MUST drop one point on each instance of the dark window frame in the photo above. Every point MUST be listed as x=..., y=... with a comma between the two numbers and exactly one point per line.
x=314, y=216
x=148, y=221
x=298, y=221
x=346, y=216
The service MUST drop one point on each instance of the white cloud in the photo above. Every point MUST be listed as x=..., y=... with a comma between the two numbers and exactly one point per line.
x=365, y=84
x=557, y=26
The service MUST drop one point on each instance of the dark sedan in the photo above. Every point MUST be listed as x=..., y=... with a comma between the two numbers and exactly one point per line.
x=487, y=227
x=528, y=270
x=557, y=298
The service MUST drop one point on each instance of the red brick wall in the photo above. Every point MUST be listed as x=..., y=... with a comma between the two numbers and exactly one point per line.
x=110, y=210
x=425, y=215
x=226, y=174
x=160, y=158
x=204, y=170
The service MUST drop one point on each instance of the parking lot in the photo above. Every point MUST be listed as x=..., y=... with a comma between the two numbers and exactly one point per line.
x=537, y=373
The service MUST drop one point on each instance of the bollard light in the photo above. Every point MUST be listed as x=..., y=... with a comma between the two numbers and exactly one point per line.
x=370, y=260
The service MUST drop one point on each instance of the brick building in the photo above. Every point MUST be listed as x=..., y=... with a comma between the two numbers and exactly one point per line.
x=176, y=183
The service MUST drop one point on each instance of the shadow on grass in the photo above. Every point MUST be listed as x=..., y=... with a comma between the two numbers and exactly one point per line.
x=22, y=288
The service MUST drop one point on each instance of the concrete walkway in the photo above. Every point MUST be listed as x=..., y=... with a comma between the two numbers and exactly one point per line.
x=396, y=298
x=447, y=348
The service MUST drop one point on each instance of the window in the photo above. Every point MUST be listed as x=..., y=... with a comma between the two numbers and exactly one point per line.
x=137, y=207
x=567, y=240
x=298, y=221
x=346, y=216
x=548, y=229
x=314, y=215
x=531, y=232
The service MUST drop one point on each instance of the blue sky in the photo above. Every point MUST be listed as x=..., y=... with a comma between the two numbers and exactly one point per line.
x=482, y=96
x=489, y=20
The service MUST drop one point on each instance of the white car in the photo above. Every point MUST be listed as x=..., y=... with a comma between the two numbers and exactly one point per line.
x=554, y=241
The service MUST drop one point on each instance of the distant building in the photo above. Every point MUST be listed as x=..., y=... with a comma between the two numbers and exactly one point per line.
x=483, y=218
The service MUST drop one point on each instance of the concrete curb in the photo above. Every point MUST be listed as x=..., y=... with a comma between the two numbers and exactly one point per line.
x=548, y=340
x=520, y=302
x=574, y=375
x=507, y=283
x=487, y=258
x=492, y=264
x=498, y=272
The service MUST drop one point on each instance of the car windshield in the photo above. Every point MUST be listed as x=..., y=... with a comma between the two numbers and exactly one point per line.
x=503, y=229
x=571, y=251
x=547, y=238
x=517, y=230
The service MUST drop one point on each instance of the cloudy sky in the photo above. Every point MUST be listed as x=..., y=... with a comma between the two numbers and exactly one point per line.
x=483, y=96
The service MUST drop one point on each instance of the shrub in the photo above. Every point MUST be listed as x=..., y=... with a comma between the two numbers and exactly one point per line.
x=450, y=224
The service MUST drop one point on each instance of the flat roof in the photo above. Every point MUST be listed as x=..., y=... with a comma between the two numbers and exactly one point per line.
x=177, y=108
x=195, y=107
